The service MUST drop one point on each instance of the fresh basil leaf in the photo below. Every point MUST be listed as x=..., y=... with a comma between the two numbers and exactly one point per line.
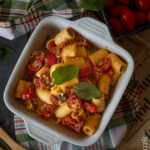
x=94, y=5
x=64, y=74
x=5, y=51
x=86, y=91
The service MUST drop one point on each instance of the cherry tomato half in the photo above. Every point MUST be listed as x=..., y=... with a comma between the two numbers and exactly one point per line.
x=143, y=5
x=124, y=2
x=148, y=16
x=127, y=18
x=50, y=59
x=35, y=65
x=109, y=3
x=140, y=17
x=116, y=25
x=28, y=94
x=116, y=10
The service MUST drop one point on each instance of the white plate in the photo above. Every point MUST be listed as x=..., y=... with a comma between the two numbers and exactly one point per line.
x=46, y=131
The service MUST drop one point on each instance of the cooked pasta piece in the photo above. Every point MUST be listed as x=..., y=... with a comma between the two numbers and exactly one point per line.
x=69, y=50
x=69, y=83
x=115, y=78
x=104, y=83
x=81, y=52
x=22, y=85
x=54, y=67
x=64, y=36
x=118, y=66
x=91, y=124
x=81, y=114
x=44, y=69
x=56, y=90
x=43, y=95
x=98, y=55
x=63, y=110
x=78, y=61
x=99, y=103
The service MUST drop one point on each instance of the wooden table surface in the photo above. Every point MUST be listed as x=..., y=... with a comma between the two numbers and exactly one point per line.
x=6, y=67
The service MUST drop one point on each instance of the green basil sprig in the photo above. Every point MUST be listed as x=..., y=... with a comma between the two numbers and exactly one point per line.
x=5, y=51
x=86, y=91
x=64, y=74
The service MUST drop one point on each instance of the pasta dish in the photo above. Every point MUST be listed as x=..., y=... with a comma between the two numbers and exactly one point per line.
x=69, y=81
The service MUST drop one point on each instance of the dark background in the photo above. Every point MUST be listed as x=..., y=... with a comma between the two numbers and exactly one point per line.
x=6, y=67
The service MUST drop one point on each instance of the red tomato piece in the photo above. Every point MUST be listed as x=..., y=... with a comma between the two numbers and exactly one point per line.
x=38, y=55
x=54, y=100
x=52, y=47
x=128, y=18
x=89, y=108
x=124, y=2
x=50, y=59
x=109, y=4
x=47, y=111
x=52, y=44
x=85, y=72
x=140, y=17
x=148, y=16
x=116, y=10
x=103, y=66
x=39, y=83
x=35, y=65
x=116, y=25
x=68, y=121
x=75, y=103
x=29, y=74
x=72, y=123
x=88, y=62
x=29, y=93
x=143, y=5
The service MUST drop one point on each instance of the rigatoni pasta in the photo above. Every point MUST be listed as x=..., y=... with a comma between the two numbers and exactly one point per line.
x=77, y=61
x=98, y=55
x=63, y=110
x=43, y=95
x=91, y=124
x=64, y=36
x=104, y=84
x=68, y=83
x=69, y=50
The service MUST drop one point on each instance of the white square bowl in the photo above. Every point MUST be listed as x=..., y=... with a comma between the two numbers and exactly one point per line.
x=45, y=131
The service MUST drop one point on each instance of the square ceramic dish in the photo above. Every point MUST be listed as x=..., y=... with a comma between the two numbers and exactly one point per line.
x=45, y=131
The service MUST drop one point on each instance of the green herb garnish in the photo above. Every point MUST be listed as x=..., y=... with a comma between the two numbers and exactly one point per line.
x=94, y=5
x=86, y=91
x=5, y=51
x=64, y=74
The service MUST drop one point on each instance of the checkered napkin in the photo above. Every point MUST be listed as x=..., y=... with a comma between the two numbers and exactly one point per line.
x=18, y=17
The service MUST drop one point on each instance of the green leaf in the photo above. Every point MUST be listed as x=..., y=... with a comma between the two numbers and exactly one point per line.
x=5, y=51
x=86, y=91
x=64, y=74
x=94, y=5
